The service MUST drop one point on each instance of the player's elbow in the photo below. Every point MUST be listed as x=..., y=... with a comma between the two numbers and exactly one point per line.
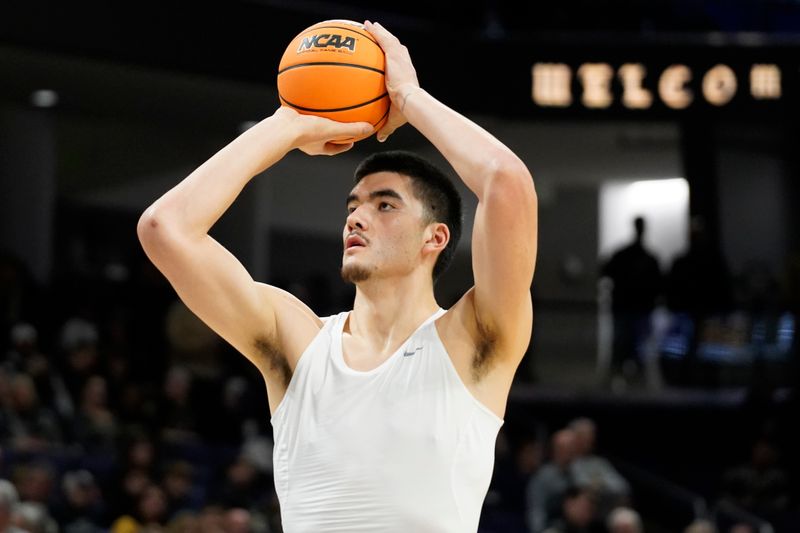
x=147, y=230
x=154, y=234
x=512, y=186
x=510, y=177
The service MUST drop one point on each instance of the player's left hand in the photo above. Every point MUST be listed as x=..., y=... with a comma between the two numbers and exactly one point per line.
x=313, y=135
x=401, y=77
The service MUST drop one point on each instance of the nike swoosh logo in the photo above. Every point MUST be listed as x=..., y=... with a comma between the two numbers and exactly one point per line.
x=407, y=354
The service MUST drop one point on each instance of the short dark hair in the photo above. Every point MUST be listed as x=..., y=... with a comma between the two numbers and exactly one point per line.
x=431, y=186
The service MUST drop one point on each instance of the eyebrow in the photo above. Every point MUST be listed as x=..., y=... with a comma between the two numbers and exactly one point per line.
x=380, y=193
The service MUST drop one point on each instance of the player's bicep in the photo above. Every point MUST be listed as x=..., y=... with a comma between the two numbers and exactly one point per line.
x=216, y=287
x=504, y=246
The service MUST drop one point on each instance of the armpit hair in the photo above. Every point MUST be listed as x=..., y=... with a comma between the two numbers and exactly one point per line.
x=277, y=365
x=484, y=351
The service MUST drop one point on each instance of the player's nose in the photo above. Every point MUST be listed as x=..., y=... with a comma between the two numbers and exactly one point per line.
x=356, y=220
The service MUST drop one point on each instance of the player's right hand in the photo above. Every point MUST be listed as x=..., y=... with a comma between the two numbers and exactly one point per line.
x=401, y=77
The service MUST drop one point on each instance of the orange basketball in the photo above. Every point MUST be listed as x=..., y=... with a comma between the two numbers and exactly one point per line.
x=335, y=69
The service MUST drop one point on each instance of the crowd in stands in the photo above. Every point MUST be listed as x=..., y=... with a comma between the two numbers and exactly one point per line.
x=121, y=412
x=567, y=487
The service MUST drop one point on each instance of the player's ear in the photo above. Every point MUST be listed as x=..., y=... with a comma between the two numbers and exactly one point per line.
x=437, y=235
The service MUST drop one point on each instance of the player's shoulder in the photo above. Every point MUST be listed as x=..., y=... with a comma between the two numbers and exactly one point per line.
x=458, y=321
x=296, y=324
x=504, y=340
x=287, y=306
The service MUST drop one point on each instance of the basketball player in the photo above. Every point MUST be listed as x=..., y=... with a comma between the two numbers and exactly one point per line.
x=384, y=417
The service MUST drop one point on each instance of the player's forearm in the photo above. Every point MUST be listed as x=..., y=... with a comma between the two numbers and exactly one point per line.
x=476, y=155
x=196, y=203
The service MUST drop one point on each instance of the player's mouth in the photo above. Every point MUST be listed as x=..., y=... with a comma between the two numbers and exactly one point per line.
x=354, y=241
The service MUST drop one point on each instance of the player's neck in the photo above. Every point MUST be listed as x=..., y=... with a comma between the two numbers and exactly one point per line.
x=390, y=308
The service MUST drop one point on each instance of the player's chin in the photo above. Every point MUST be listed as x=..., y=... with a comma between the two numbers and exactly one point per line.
x=353, y=272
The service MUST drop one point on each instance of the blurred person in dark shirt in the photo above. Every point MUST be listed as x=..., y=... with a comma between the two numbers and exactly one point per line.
x=699, y=282
x=82, y=509
x=32, y=427
x=179, y=487
x=25, y=357
x=136, y=470
x=594, y=472
x=95, y=425
x=698, y=293
x=178, y=418
x=578, y=513
x=36, y=481
x=761, y=485
x=244, y=485
x=548, y=485
x=150, y=514
x=637, y=284
x=79, y=340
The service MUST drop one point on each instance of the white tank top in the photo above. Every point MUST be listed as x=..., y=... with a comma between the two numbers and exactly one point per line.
x=402, y=448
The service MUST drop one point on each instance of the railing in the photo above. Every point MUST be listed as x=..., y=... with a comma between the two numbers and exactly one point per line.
x=726, y=514
x=674, y=506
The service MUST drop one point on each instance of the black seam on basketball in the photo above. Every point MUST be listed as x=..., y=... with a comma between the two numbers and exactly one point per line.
x=383, y=117
x=311, y=109
x=330, y=64
x=350, y=29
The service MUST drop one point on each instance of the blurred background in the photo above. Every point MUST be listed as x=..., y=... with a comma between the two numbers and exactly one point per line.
x=660, y=389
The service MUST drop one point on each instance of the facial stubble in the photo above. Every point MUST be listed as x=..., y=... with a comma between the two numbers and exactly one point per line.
x=355, y=273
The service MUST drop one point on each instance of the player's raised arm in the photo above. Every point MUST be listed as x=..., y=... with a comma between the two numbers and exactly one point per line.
x=208, y=278
x=505, y=230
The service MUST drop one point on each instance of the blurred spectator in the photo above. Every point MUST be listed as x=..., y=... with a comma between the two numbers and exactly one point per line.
x=6, y=405
x=95, y=425
x=257, y=449
x=701, y=526
x=624, y=520
x=596, y=473
x=79, y=343
x=141, y=452
x=513, y=469
x=212, y=519
x=23, y=337
x=637, y=285
x=757, y=288
x=760, y=485
x=83, y=509
x=26, y=358
x=699, y=282
x=184, y=523
x=237, y=520
x=31, y=426
x=178, y=416
x=193, y=345
x=244, y=485
x=577, y=513
x=137, y=469
x=149, y=516
x=135, y=407
x=179, y=487
x=698, y=287
x=9, y=499
x=232, y=415
x=18, y=298
x=36, y=482
x=33, y=517
x=547, y=487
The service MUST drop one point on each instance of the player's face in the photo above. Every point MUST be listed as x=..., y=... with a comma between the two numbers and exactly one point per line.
x=383, y=233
